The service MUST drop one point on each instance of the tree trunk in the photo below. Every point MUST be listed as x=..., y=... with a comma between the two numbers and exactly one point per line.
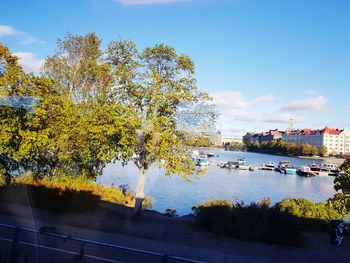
x=140, y=192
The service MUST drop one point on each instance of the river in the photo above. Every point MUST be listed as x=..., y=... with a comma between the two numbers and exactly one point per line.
x=217, y=183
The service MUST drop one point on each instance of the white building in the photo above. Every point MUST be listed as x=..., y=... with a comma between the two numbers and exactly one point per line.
x=337, y=141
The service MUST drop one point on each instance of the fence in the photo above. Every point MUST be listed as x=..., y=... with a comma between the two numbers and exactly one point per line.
x=18, y=244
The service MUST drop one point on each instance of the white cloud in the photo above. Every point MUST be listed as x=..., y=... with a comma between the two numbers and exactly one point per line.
x=31, y=40
x=147, y=2
x=29, y=62
x=227, y=101
x=6, y=30
x=282, y=118
x=347, y=108
x=310, y=93
x=316, y=104
x=263, y=99
x=246, y=116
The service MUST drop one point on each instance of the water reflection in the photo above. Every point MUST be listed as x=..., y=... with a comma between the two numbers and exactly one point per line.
x=217, y=183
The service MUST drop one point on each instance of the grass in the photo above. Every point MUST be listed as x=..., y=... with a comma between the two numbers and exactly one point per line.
x=64, y=193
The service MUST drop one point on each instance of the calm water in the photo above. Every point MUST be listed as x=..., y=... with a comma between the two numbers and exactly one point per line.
x=217, y=183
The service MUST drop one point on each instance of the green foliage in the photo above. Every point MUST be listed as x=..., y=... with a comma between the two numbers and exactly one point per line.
x=314, y=215
x=308, y=150
x=284, y=148
x=198, y=141
x=152, y=85
x=323, y=151
x=94, y=106
x=256, y=222
x=341, y=201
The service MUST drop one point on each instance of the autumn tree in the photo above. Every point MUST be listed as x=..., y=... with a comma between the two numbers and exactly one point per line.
x=154, y=85
x=69, y=129
x=323, y=150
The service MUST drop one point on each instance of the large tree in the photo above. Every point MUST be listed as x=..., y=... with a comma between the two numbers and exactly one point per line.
x=77, y=65
x=44, y=129
x=155, y=85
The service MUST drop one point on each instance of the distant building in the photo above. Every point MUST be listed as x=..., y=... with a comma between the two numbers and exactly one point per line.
x=271, y=135
x=337, y=141
x=218, y=139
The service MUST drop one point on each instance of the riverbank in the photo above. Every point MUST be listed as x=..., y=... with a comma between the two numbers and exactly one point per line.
x=335, y=160
x=176, y=236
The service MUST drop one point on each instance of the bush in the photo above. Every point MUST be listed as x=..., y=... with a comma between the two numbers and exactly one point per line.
x=312, y=215
x=256, y=222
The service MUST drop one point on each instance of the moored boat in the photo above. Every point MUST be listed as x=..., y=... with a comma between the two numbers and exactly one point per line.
x=315, y=167
x=328, y=167
x=305, y=171
x=244, y=166
x=211, y=154
x=202, y=160
x=240, y=160
x=286, y=167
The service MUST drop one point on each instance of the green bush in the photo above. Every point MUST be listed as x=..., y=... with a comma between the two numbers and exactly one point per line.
x=312, y=215
x=255, y=222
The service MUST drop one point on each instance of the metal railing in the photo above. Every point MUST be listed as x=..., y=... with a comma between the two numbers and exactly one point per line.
x=19, y=244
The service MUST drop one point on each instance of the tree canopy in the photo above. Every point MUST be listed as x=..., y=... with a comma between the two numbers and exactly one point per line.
x=92, y=106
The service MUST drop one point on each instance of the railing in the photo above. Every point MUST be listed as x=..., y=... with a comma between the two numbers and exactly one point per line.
x=19, y=244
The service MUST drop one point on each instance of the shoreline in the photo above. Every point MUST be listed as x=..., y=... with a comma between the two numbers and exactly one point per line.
x=335, y=160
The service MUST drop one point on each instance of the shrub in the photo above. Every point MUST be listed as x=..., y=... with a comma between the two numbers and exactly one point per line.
x=255, y=222
x=314, y=215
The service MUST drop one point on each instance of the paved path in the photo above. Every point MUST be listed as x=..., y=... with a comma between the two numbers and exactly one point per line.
x=196, y=245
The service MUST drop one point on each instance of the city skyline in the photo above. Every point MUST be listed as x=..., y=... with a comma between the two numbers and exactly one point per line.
x=263, y=62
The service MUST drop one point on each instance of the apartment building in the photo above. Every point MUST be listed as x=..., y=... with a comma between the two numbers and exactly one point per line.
x=337, y=141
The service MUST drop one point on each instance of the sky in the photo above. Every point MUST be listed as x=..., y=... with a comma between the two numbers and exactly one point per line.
x=264, y=62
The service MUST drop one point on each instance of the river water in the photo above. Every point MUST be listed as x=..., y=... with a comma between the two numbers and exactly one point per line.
x=218, y=183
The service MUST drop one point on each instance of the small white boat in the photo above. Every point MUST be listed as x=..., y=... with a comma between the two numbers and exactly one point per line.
x=270, y=165
x=244, y=167
x=240, y=160
x=328, y=167
x=305, y=171
x=203, y=160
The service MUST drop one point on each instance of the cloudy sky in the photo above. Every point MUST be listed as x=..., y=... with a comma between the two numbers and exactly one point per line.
x=263, y=61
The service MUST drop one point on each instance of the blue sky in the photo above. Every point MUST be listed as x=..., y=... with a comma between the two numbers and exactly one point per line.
x=263, y=61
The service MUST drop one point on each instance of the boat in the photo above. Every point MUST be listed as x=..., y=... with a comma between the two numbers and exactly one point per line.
x=240, y=160
x=231, y=165
x=211, y=154
x=223, y=165
x=305, y=171
x=270, y=165
x=244, y=166
x=328, y=167
x=286, y=167
x=202, y=160
x=315, y=167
